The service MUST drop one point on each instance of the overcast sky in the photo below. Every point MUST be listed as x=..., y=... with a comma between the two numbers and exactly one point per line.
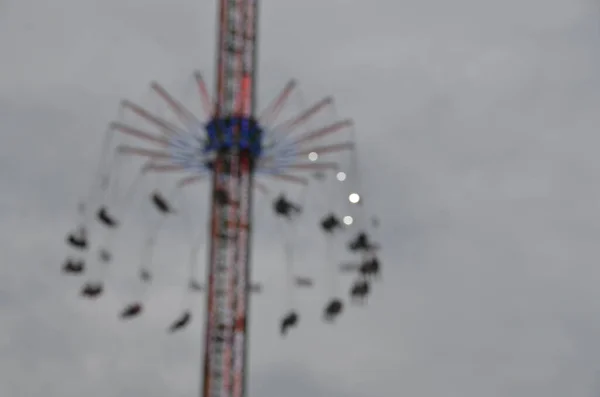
x=478, y=125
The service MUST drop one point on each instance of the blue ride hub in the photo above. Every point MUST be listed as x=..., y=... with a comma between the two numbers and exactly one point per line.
x=226, y=133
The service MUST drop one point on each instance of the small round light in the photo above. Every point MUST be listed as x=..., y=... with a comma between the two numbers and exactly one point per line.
x=341, y=176
x=354, y=198
x=313, y=156
x=348, y=220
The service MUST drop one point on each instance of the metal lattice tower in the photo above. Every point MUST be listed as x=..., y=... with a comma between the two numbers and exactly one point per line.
x=225, y=354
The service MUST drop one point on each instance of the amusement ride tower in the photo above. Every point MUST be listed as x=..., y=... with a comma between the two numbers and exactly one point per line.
x=231, y=147
x=236, y=140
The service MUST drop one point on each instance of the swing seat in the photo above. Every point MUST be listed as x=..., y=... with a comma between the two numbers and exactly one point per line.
x=131, y=310
x=105, y=218
x=181, y=322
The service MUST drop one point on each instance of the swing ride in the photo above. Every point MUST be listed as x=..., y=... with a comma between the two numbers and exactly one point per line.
x=241, y=152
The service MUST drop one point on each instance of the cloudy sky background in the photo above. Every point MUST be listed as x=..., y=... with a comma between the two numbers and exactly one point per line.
x=478, y=126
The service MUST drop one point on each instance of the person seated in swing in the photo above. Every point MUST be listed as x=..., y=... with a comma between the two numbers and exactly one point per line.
x=360, y=290
x=370, y=267
x=104, y=217
x=331, y=223
x=290, y=320
x=181, y=322
x=284, y=207
x=92, y=290
x=333, y=309
x=161, y=203
x=78, y=239
x=131, y=310
x=73, y=266
x=362, y=242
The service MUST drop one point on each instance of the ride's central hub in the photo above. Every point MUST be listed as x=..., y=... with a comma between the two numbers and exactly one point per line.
x=226, y=133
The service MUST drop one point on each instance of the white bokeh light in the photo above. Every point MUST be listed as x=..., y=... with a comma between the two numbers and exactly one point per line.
x=313, y=156
x=354, y=198
x=348, y=220
x=341, y=176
